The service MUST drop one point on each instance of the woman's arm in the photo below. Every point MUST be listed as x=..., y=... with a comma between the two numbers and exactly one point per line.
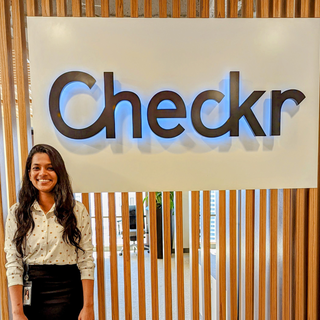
x=16, y=302
x=87, y=312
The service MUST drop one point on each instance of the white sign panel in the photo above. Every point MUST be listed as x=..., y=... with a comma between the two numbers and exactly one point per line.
x=178, y=104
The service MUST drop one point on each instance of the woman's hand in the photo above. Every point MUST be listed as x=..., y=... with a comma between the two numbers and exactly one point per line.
x=86, y=313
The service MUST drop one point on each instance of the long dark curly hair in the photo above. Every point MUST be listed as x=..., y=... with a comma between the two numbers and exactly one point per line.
x=63, y=198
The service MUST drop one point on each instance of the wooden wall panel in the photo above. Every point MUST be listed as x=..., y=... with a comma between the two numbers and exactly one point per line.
x=47, y=8
x=262, y=8
x=90, y=12
x=205, y=254
x=262, y=254
x=20, y=47
x=167, y=254
x=249, y=307
x=100, y=256
x=233, y=255
x=148, y=8
x=141, y=272
x=232, y=8
x=134, y=8
x=247, y=9
x=176, y=8
x=153, y=256
x=104, y=8
x=113, y=257
x=194, y=255
x=219, y=9
x=61, y=8
x=76, y=8
x=191, y=8
x=179, y=254
x=222, y=254
x=32, y=8
x=126, y=255
x=273, y=253
x=162, y=8
x=119, y=8
x=9, y=110
x=204, y=8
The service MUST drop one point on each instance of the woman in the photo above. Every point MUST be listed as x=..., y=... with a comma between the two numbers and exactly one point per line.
x=48, y=244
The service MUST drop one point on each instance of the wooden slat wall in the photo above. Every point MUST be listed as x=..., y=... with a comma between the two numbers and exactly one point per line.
x=300, y=277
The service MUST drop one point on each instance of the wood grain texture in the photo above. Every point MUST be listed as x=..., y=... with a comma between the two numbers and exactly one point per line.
x=176, y=8
x=205, y=254
x=232, y=8
x=126, y=255
x=249, y=305
x=289, y=9
x=219, y=9
x=305, y=8
x=85, y=200
x=204, y=8
x=286, y=266
x=153, y=256
x=100, y=256
x=32, y=8
x=3, y=285
x=140, y=245
x=105, y=8
x=162, y=8
x=233, y=254
x=262, y=254
x=179, y=254
x=61, y=8
x=300, y=256
x=262, y=8
x=167, y=255
x=222, y=255
x=113, y=257
x=247, y=9
x=47, y=8
x=147, y=8
x=313, y=256
x=194, y=254
x=134, y=8
x=191, y=8
x=273, y=253
x=90, y=12
x=276, y=8
x=76, y=8
x=119, y=8
x=20, y=46
x=9, y=110
x=317, y=8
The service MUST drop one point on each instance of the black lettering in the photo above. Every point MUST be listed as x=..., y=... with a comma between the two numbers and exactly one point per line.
x=278, y=99
x=154, y=113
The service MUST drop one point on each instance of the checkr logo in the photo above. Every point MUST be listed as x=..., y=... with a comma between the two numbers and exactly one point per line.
x=107, y=118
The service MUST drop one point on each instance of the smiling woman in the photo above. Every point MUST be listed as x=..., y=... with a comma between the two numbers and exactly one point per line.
x=48, y=244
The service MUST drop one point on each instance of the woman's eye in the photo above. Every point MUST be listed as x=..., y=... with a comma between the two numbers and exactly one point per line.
x=50, y=168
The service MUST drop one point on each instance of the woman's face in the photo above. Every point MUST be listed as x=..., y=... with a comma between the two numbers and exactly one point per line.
x=41, y=173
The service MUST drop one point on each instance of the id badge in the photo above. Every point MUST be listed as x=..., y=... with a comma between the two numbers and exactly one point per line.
x=27, y=290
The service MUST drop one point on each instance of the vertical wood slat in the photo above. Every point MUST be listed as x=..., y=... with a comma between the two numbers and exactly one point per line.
x=204, y=8
x=20, y=46
x=273, y=253
x=191, y=8
x=176, y=8
x=194, y=255
x=313, y=255
x=317, y=8
x=46, y=6
x=262, y=254
x=167, y=255
x=76, y=8
x=276, y=8
x=249, y=254
x=153, y=256
x=222, y=255
x=61, y=8
x=262, y=8
x=162, y=8
x=140, y=245
x=233, y=254
x=179, y=254
x=119, y=8
x=305, y=9
x=300, y=292
x=85, y=200
x=32, y=8
x=134, y=8
x=3, y=286
x=147, y=8
x=286, y=267
x=289, y=8
x=247, y=9
x=232, y=8
x=126, y=255
x=100, y=256
x=113, y=257
x=9, y=111
x=90, y=8
x=205, y=254
x=104, y=8
x=219, y=9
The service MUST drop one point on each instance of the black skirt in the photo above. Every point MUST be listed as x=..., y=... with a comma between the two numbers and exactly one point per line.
x=56, y=292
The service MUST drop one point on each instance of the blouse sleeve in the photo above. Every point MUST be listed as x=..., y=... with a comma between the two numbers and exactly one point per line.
x=85, y=258
x=14, y=263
